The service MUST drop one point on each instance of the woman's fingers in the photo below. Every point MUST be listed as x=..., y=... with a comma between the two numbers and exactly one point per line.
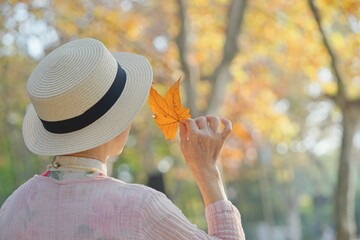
x=213, y=122
x=201, y=122
x=227, y=128
x=187, y=128
x=202, y=140
x=190, y=126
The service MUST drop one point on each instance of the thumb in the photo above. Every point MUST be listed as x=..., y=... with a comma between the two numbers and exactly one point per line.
x=183, y=131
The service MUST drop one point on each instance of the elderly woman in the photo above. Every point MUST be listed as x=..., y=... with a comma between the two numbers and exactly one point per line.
x=84, y=99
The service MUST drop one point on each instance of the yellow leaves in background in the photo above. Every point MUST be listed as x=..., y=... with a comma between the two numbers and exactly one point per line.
x=338, y=40
x=351, y=7
x=168, y=110
x=329, y=88
x=110, y=24
x=208, y=20
x=241, y=131
x=253, y=106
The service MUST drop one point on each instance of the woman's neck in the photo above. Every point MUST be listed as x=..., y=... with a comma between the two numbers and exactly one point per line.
x=94, y=153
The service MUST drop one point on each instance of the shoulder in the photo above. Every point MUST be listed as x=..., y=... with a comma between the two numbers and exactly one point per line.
x=23, y=189
x=19, y=194
x=134, y=192
x=131, y=187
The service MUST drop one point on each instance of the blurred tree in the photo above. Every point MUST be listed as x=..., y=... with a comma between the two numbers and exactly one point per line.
x=220, y=75
x=350, y=108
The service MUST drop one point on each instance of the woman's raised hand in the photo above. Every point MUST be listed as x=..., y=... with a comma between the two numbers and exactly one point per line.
x=201, y=141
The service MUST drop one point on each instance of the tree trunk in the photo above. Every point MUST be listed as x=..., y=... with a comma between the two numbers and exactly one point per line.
x=346, y=186
x=191, y=72
x=293, y=219
x=266, y=203
x=221, y=76
x=265, y=157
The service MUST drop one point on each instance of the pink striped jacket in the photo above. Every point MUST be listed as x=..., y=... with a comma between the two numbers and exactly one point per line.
x=106, y=208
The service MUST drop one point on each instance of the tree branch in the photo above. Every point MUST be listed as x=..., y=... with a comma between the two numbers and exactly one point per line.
x=354, y=103
x=333, y=63
x=221, y=75
x=235, y=15
x=181, y=42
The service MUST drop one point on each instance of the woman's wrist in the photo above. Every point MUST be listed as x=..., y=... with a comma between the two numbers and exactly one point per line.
x=210, y=185
x=202, y=169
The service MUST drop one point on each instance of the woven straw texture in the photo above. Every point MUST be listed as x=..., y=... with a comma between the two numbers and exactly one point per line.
x=70, y=80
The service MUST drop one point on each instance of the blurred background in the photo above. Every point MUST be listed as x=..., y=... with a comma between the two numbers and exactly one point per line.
x=286, y=72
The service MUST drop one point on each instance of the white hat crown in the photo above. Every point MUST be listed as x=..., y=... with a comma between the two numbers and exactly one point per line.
x=71, y=79
x=83, y=96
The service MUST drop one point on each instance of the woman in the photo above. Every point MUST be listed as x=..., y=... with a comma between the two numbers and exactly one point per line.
x=83, y=102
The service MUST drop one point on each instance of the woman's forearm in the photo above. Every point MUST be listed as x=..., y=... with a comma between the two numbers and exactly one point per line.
x=201, y=141
x=211, y=186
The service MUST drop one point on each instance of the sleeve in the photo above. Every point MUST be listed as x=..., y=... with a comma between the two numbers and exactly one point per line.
x=161, y=219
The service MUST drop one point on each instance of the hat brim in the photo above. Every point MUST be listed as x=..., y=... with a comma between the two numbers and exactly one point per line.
x=111, y=124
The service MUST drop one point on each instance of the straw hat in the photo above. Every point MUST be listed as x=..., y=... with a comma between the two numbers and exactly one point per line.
x=83, y=96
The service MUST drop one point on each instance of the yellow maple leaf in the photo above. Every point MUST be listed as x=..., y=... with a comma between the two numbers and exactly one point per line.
x=168, y=110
